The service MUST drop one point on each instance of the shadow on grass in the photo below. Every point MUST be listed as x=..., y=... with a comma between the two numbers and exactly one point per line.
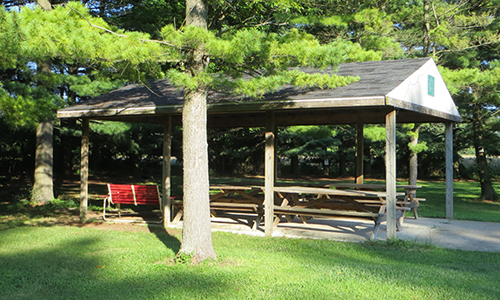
x=94, y=264
x=169, y=239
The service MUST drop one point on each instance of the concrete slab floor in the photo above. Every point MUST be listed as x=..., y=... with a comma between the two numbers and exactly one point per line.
x=453, y=234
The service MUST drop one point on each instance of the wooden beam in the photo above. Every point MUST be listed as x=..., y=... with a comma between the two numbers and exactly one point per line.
x=359, y=153
x=390, y=165
x=166, y=174
x=449, y=170
x=84, y=171
x=269, y=176
x=275, y=131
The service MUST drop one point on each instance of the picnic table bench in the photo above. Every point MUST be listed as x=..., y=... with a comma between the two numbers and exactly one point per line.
x=408, y=200
x=304, y=202
x=324, y=202
x=232, y=199
x=131, y=194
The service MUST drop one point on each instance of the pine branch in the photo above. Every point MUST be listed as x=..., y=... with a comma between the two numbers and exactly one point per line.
x=243, y=25
x=118, y=34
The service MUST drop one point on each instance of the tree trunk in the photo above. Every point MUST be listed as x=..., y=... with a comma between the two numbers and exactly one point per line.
x=294, y=164
x=487, y=190
x=196, y=229
x=413, y=171
x=368, y=161
x=342, y=164
x=43, y=187
x=427, y=29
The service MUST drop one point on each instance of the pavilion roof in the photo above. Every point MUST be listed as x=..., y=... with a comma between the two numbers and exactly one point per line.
x=414, y=87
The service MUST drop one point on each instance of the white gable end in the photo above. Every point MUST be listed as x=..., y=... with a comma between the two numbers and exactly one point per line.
x=426, y=88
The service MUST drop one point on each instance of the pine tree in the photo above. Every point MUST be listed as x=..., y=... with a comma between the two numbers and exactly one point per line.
x=205, y=59
x=53, y=56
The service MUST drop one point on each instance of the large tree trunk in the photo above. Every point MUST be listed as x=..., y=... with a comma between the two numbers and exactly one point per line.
x=43, y=187
x=196, y=230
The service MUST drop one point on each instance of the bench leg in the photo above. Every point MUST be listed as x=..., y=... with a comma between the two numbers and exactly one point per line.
x=398, y=224
x=178, y=216
x=305, y=219
x=256, y=223
x=375, y=229
x=415, y=212
x=104, y=209
x=277, y=219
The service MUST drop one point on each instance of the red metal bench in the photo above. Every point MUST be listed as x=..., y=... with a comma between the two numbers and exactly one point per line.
x=131, y=194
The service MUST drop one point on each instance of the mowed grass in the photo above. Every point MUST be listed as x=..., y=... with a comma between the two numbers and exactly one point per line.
x=82, y=263
x=41, y=261
x=466, y=205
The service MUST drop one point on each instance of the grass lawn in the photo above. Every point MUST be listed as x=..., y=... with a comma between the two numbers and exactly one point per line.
x=42, y=261
x=62, y=262
x=465, y=203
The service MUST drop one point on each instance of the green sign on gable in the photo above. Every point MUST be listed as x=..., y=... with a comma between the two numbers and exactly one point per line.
x=430, y=85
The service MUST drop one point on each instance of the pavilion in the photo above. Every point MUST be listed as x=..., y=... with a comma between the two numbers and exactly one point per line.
x=403, y=91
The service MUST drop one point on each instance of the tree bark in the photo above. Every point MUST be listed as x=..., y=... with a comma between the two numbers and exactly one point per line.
x=487, y=190
x=294, y=164
x=342, y=164
x=413, y=172
x=196, y=230
x=427, y=28
x=43, y=187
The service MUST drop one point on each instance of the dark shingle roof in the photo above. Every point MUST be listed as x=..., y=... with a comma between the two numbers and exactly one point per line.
x=376, y=79
x=361, y=99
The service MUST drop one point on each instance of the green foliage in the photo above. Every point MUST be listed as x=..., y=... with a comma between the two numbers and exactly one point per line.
x=370, y=28
x=83, y=60
x=21, y=106
x=266, y=56
x=374, y=133
x=142, y=16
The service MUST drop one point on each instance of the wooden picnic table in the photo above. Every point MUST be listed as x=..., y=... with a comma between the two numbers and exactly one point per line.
x=235, y=199
x=305, y=202
x=409, y=200
x=325, y=202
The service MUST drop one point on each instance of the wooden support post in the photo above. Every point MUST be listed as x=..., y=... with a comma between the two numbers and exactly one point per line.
x=276, y=166
x=84, y=171
x=269, y=162
x=166, y=174
x=449, y=170
x=359, y=154
x=390, y=165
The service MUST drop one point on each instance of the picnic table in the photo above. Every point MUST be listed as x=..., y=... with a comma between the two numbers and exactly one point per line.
x=306, y=201
x=325, y=202
x=232, y=199
x=409, y=199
